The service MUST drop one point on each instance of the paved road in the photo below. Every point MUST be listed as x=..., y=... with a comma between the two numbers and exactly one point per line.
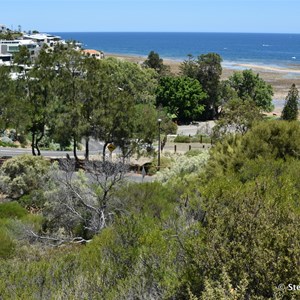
x=133, y=177
x=204, y=128
x=138, y=178
x=96, y=148
x=5, y=151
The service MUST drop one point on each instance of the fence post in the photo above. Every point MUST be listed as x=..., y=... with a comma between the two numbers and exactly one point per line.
x=190, y=147
x=175, y=148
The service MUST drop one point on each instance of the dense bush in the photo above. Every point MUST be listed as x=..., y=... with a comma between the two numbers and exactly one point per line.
x=22, y=175
x=7, y=245
x=182, y=139
x=165, y=162
x=7, y=144
x=183, y=165
x=270, y=139
x=12, y=210
x=192, y=139
x=228, y=233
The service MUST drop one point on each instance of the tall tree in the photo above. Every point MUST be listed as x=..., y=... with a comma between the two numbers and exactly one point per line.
x=41, y=82
x=207, y=70
x=290, y=109
x=154, y=61
x=89, y=104
x=249, y=85
x=6, y=97
x=70, y=94
x=189, y=67
x=34, y=89
x=121, y=86
x=209, y=74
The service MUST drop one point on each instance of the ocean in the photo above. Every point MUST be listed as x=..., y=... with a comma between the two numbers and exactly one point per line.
x=281, y=50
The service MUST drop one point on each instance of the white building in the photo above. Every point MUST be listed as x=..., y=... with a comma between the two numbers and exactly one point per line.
x=2, y=28
x=43, y=38
x=9, y=47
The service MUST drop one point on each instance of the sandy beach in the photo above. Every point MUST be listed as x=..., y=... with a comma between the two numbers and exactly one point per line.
x=280, y=78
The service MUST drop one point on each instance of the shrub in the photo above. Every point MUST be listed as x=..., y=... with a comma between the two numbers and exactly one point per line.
x=7, y=245
x=165, y=162
x=22, y=175
x=12, y=210
x=194, y=139
x=182, y=139
x=183, y=165
x=7, y=144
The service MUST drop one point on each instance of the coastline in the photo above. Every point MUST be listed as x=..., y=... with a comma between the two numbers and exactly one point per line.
x=281, y=78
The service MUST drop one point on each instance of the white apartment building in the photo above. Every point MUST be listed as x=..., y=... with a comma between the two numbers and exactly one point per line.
x=9, y=47
x=43, y=38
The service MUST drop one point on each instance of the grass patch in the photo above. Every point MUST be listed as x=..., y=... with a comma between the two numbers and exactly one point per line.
x=192, y=139
x=7, y=144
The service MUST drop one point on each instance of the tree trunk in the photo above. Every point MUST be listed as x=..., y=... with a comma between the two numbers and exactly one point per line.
x=87, y=150
x=103, y=151
x=74, y=148
x=37, y=143
x=33, y=144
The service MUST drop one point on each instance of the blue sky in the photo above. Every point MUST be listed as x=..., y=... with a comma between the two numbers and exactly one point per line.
x=278, y=16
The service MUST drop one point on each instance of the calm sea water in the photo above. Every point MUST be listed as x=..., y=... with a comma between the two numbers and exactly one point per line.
x=267, y=49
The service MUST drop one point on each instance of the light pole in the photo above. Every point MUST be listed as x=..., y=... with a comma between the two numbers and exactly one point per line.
x=158, y=154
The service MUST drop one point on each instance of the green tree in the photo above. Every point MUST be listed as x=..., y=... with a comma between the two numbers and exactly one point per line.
x=6, y=98
x=182, y=96
x=35, y=93
x=69, y=91
x=153, y=61
x=209, y=74
x=41, y=94
x=249, y=86
x=290, y=109
x=237, y=116
x=207, y=70
x=189, y=67
x=22, y=57
x=117, y=97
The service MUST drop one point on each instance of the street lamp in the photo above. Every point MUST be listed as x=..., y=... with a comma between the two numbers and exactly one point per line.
x=158, y=154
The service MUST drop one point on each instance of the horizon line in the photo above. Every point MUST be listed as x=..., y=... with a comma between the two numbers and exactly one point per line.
x=231, y=32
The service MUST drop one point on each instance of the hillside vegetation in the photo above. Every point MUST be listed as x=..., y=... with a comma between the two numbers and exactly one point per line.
x=225, y=229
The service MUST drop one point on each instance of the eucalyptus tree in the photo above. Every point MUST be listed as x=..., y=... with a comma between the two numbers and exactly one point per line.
x=250, y=86
x=69, y=83
x=89, y=99
x=237, y=116
x=207, y=70
x=41, y=96
x=121, y=86
x=12, y=94
x=209, y=75
x=34, y=90
x=6, y=97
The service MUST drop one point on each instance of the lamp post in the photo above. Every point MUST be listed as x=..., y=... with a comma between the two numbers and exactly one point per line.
x=158, y=153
